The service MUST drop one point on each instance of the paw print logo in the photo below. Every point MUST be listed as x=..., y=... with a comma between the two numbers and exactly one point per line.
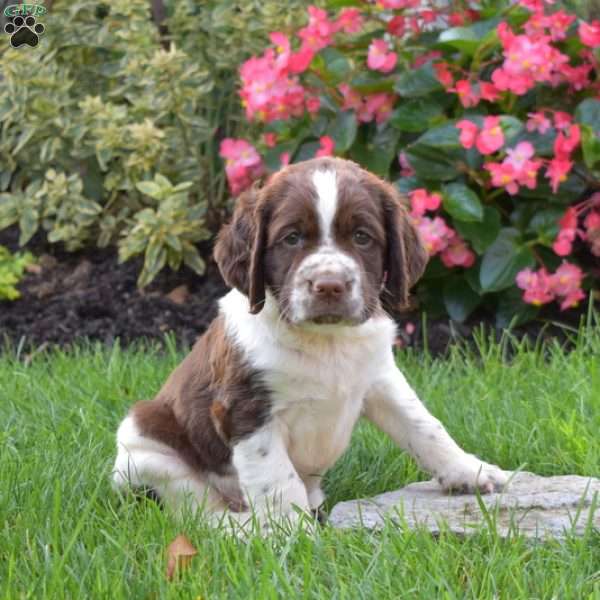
x=24, y=30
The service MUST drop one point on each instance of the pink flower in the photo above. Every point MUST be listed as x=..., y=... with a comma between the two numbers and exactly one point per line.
x=537, y=286
x=242, y=164
x=520, y=154
x=534, y=58
x=421, y=201
x=491, y=137
x=396, y=4
x=405, y=169
x=458, y=254
x=282, y=48
x=349, y=20
x=564, y=145
x=488, y=91
x=380, y=58
x=299, y=61
x=468, y=133
x=589, y=33
x=557, y=172
x=558, y=23
x=562, y=120
x=267, y=92
x=318, y=34
x=577, y=77
x=376, y=106
x=443, y=74
x=313, y=103
x=566, y=283
x=327, y=146
x=567, y=233
x=270, y=139
x=516, y=169
x=503, y=175
x=466, y=94
x=538, y=122
x=517, y=84
x=284, y=159
x=592, y=231
x=435, y=234
x=397, y=25
x=352, y=99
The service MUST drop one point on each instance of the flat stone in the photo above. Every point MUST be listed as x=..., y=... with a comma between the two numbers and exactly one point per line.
x=533, y=506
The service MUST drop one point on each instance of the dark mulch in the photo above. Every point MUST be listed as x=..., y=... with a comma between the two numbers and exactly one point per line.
x=90, y=295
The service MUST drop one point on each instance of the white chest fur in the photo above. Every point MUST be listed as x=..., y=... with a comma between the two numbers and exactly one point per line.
x=318, y=379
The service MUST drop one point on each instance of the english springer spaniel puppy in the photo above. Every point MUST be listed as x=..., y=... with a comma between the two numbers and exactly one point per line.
x=267, y=399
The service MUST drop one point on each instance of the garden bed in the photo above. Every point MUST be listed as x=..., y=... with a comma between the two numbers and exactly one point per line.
x=71, y=296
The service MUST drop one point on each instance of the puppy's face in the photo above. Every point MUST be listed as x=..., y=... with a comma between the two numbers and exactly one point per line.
x=329, y=241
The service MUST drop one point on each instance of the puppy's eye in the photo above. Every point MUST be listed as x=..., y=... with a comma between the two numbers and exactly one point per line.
x=361, y=237
x=292, y=239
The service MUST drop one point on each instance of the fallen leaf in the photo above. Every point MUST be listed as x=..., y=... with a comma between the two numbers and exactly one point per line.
x=179, y=295
x=179, y=555
x=33, y=268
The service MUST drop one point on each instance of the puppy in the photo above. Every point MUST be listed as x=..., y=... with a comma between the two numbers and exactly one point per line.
x=267, y=399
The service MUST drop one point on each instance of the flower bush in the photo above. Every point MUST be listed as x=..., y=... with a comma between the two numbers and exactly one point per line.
x=485, y=115
x=110, y=127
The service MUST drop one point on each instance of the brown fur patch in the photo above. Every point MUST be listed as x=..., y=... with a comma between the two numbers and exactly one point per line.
x=210, y=400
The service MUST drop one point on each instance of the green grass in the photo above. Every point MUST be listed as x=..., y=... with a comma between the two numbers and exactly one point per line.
x=65, y=535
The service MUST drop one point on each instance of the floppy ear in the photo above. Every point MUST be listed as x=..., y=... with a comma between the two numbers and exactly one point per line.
x=406, y=256
x=240, y=247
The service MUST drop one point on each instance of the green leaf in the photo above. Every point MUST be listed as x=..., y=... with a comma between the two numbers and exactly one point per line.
x=512, y=311
x=343, y=130
x=459, y=299
x=336, y=66
x=371, y=83
x=511, y=127
x=503, y=260
x=418, y=82
x=437, y=155
x=377, y=154
x=193, y=260
x=462, y=202
x=481, y=234
x=469, y=39
x=28, y=224
x=149, y=188
x=405, y=185
x=162, y=182
x=590, y=144
x=573, y=187
x=273, y=155
x=415, y=115
x=544, y=223
x=588, y=113
x=307, y=151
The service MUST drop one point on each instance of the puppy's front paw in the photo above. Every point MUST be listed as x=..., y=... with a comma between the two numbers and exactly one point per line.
x=469, y=474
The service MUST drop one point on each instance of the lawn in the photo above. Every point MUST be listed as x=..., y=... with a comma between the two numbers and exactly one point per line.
x=65, y=535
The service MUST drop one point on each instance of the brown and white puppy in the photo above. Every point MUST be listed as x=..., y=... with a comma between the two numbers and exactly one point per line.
x=267, y=399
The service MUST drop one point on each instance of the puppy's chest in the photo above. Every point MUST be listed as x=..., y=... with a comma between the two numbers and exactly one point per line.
x=316, y=411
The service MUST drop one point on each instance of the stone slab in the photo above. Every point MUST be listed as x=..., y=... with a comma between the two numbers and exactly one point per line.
x=535, y=506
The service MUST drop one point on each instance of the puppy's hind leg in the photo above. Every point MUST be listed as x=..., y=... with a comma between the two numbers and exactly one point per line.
x=146, y=463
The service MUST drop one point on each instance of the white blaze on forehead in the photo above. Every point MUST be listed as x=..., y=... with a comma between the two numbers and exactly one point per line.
x=325, y=183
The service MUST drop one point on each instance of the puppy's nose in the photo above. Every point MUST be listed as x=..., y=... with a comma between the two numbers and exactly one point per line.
x=329, y=287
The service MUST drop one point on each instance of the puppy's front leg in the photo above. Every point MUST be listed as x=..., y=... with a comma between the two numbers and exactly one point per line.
x=268, y=479
x=395, y=408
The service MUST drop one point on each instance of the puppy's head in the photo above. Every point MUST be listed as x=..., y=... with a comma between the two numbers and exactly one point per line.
x=331, y=242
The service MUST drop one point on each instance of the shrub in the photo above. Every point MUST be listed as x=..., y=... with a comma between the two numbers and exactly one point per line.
x=485, y=116
x=108, y=105
x=12, y=267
